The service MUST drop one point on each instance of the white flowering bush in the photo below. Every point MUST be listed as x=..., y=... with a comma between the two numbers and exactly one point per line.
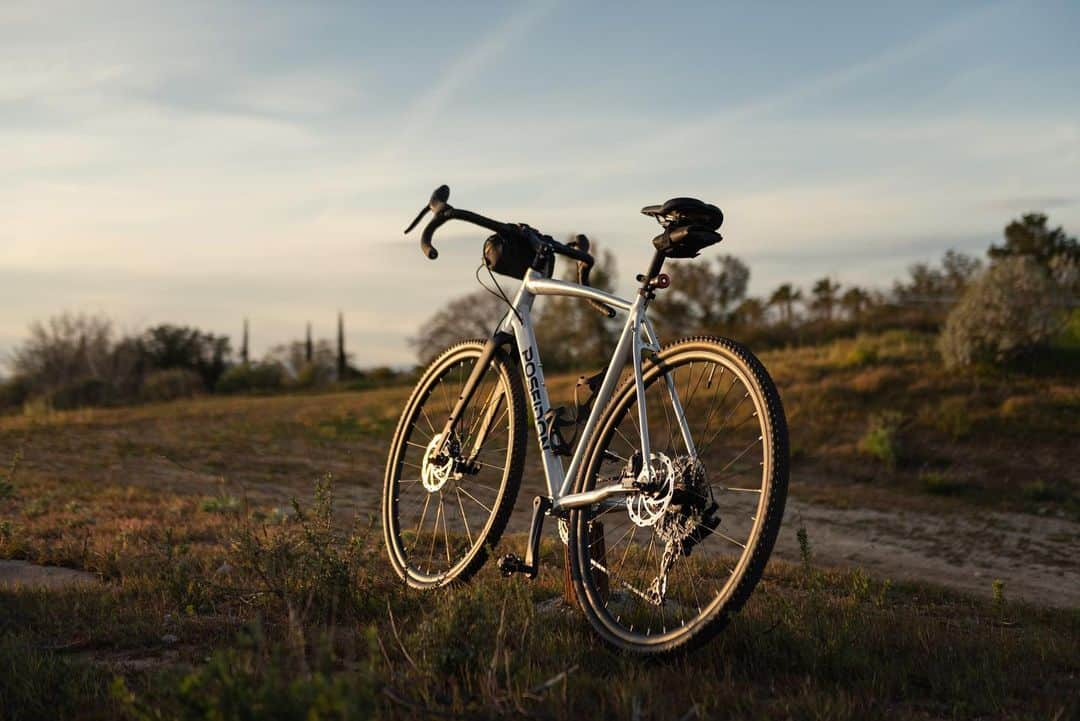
x=1013, y=308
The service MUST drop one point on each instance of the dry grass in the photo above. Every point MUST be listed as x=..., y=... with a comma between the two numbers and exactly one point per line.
x=219, y=594
x=253, y=616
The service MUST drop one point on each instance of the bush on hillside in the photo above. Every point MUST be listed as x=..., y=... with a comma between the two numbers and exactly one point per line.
x=1014, y=308
x=252, y=377
x=171, y=384
x=14, y=392
x=78, y=393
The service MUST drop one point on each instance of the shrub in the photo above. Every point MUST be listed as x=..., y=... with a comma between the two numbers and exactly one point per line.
x=251, y=377
x=941, y=484
x=171, y=384
x=1040, y=490
x=1014, y=308
x=951, y=416
x=314, y=375
x=81, y=392
x=862, y=353
x=880, y=440
x=14, y=392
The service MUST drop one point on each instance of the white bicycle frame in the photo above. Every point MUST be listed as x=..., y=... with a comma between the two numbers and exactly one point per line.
x=637, y=336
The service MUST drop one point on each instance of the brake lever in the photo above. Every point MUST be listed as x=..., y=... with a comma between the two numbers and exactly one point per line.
x=418, y=218
x=436, y=203
x=584, y=269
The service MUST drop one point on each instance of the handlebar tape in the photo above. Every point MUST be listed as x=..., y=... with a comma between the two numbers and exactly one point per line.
x=429, y=230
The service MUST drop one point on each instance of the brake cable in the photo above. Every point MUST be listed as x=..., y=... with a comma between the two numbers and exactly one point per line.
x=501, y=294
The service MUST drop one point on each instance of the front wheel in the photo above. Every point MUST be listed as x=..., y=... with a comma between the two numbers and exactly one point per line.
x=663, y=569
x=445, y=504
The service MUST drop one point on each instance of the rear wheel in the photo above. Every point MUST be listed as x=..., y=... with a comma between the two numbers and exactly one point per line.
x=443, y=509
x=662, y=569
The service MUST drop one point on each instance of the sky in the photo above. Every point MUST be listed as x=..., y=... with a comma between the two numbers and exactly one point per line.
x=200, y=163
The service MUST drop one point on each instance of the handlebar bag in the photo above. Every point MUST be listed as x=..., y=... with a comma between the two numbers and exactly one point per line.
x=508, y=256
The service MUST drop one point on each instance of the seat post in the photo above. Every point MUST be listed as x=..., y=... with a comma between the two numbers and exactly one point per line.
x=654, y=267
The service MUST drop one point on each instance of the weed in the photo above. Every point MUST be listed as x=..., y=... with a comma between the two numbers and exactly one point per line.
x=305, y=565
x=804, y=546
x=883, y=593
x=861, y=354
x=222, y=503
x=942, y=484
x=36, y=507
x=997, y=587
x=263, y=679
x=860, y=585
x=37, y=683
x=351, y=427
x=1041, y=491
x=951, y=416
x=881, y=438
x=7, y=478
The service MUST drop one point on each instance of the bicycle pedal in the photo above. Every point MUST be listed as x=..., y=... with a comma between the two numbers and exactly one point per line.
x=511, y=563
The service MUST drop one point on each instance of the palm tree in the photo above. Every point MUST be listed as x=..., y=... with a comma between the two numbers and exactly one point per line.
x=824, y=295
x=854, y=301
x=784, y=298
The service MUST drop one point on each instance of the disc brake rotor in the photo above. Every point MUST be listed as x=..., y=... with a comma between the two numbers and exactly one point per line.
x=435, y=473
x=646, y=508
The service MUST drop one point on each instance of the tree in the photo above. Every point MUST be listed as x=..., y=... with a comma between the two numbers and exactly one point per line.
x=169, y=346
x=66, y=348
x=244, y=356
x=703, y=296
x=959, y=270
x=784, y=299
x=855, y=301
x=824, y=298
x=308, y=362
x=1032, y=237
x=570, y=332
x=471, y=316
x=343, y=369
x=751, y=312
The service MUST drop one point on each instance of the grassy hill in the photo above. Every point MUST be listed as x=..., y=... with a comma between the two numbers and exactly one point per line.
x=218, y=593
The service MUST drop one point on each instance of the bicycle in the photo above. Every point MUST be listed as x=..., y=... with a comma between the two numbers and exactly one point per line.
x=708, y=515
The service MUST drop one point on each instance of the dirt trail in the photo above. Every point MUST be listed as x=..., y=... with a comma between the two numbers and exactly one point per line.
x=20, y=574
x=1037, y=557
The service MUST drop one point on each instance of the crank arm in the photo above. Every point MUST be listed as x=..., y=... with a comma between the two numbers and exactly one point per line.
x=511, y=563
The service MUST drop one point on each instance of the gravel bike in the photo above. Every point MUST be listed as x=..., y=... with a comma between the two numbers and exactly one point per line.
x=677, y=473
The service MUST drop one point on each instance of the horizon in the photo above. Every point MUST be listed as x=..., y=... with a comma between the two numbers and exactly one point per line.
x=202, y=165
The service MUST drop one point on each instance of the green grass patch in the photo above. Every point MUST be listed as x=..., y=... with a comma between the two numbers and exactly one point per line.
x=942, y=484
x=881, y=440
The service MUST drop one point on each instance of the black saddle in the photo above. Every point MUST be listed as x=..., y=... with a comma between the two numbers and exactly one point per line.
x=686, y=211
x=689, y=226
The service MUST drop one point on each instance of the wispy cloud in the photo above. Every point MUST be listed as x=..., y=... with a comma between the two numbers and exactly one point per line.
x=683, y=139
x=433, y=101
